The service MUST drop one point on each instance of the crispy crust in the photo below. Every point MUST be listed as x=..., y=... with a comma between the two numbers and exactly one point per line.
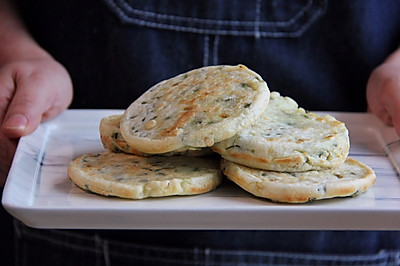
x=112, y=139
x=135, y=177
x=195, y=109
x=349, y=179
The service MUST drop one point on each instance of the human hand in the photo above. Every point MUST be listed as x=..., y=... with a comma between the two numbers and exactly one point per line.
x=32, y=90
x=383, y=93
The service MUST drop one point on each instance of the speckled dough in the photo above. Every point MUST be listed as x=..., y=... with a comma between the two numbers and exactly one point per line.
x=135, y=177
x=195, y=109
x=349, y=179
x=112, y=139
x=289, y=139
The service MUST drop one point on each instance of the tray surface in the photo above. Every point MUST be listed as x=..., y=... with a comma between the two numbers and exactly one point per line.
x=39, y=193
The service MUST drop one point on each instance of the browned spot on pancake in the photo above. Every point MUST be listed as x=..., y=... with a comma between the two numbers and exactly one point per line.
x=200, y=94
x=209, y=142
x=198, y=190
x=288, y=160
x=343, y=191
x=302, y=140
x=336, y=122
x=245, y=156
x=295, y=198
x=190, y=111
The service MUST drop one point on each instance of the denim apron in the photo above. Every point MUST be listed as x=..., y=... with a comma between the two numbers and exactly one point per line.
x=318, y=52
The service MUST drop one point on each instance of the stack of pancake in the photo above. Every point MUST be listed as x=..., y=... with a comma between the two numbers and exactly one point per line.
x=171, y=139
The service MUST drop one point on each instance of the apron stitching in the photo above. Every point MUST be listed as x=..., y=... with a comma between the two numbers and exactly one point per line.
x=128, y=18
x=54, y=239
x=207, y=256
x=98, y=249
x=106, y=253
x=215, y=50
x=126, y=7
x=206, y=52
x=257, y=20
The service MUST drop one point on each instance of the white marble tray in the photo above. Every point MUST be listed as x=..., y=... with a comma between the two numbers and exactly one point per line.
x=40, y=194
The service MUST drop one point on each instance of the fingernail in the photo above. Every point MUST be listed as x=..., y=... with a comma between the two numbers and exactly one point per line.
x=16, y=122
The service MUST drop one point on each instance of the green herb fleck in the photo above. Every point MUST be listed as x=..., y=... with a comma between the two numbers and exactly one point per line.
x=245, y=85
x=233, y=146
x=197, y=122
x=115, y=135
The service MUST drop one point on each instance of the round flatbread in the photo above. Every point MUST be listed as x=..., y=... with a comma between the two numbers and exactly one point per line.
x=135, y=177
x=195, y=109
x=287, y=138
x=112, y=139
x=349, y=179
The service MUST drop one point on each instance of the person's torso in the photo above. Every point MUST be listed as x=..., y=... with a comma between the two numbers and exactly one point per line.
x=318, y=52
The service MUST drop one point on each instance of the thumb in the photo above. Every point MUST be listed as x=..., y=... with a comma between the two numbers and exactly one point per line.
x=24, y=112
x=391, y=102
x=34, y=100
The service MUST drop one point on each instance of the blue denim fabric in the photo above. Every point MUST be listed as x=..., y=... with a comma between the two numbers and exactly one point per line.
x=318, y=52
x=39, y=247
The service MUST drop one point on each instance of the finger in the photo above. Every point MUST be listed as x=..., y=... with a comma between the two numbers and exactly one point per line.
x=383, y=93
x=7, y=89
x=392, y=104
x=32, y=98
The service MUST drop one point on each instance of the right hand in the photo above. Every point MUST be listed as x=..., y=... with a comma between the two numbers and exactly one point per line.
x=32, y=90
